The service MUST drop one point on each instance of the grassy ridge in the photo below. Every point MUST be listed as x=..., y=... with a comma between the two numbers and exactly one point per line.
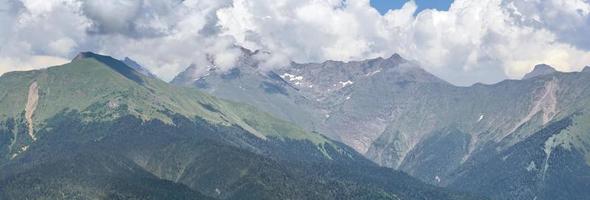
x=89, y=82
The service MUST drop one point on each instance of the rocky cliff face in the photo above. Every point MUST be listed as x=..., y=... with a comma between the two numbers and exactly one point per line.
x=401, y=116
x=540, y=70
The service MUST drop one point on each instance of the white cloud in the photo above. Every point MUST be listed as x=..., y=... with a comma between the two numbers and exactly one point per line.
x=112, y=16
x=37, y=34
x=305, y=30
x=476, y=40
x=29, y=63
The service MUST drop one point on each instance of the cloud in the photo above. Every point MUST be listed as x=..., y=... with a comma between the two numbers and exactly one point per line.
x=113, y=16
x=474, y=41
x=305, y=30
x=567, y=18
x=484, y=41
x=39, y=33
x=8, y=64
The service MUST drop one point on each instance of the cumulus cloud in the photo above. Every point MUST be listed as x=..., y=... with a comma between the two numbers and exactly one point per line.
x=29, y=63
x=30, y=37
x=474, y=41
x=113, y=16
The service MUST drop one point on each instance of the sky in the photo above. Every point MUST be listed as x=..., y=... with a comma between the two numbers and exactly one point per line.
x=464, y=42
x=385, y=5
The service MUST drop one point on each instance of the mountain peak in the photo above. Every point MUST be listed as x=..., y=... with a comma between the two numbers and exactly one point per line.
x=85, y=54
x=117, y=65
x=395, y=56
x=137, y=67
x=540, y=70
x=127, y=59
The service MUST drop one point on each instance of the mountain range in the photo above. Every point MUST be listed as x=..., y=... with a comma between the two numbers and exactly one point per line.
x=516, y=139
x=102, y=128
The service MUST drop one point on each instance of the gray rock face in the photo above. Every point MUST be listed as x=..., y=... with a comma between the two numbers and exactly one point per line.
x=540, y=70
x=263, y=89
x=137, y=67
x=403, y=117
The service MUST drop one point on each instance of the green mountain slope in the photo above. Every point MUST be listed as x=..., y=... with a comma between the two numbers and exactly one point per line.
x=92, y=176
x=97, y=117
x=88, y=85
x=543, y=166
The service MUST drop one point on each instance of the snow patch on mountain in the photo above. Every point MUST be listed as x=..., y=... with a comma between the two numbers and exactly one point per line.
x=346, y=83
x=373, y=73
x=291, y=77
x=532, y=166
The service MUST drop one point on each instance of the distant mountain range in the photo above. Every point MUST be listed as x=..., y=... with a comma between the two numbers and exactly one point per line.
x=517, y=139
x=101, y=128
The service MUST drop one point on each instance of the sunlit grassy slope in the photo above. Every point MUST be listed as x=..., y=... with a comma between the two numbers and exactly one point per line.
x=105, y=88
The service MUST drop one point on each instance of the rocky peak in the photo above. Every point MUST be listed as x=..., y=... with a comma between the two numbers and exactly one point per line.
x=137, y=67
x=395, y=56
x=107, y=61
x=186, y=77
x=540, y=70
x=86, y=54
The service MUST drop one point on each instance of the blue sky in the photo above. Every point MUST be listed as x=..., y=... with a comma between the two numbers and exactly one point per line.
x=384, y=5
